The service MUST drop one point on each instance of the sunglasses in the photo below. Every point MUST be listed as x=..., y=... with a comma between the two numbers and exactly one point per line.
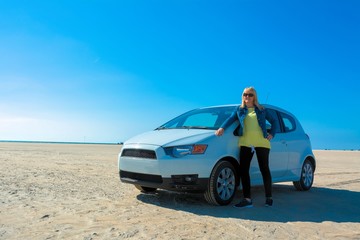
x=248, y=95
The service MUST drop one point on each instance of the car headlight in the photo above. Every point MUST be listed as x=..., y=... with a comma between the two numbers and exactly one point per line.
x=180, y=151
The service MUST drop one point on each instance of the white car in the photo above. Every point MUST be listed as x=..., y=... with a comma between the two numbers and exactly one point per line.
x=185, y=155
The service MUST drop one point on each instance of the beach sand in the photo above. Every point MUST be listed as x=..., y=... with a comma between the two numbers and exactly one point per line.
x=73, y=191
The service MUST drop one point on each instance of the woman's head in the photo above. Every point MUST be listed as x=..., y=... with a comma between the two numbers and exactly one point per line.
x=249, y=98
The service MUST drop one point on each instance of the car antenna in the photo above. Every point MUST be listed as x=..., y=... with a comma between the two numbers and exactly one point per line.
x=267, y=97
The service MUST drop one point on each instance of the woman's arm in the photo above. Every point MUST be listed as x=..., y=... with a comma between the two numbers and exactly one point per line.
x=226, y=124
x=273, y=121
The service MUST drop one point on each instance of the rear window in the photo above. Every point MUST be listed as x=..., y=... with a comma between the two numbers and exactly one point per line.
x=288, y=122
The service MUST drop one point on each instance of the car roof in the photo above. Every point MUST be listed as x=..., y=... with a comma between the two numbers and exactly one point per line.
x=265, y=105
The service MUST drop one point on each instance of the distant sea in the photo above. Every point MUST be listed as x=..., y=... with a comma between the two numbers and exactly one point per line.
x=54, y=142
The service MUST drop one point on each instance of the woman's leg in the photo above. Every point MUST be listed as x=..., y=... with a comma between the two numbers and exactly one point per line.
x=263, y=160
x=246, y=155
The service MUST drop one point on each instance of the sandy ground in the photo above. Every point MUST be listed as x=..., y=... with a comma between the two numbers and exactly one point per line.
x=59, y=191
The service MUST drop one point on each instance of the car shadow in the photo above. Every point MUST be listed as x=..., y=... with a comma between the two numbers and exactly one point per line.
x=317, y=205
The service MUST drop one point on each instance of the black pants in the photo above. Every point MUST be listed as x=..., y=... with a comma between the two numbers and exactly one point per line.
x=246, y=154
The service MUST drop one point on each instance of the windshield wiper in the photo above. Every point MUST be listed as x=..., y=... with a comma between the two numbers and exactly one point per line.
x=194, y=127
x=161, y=128
x=200, y=127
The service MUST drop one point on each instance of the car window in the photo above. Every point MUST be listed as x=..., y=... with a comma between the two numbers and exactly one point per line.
x=208, y=118
x=201, y=119
x=275, y=116
x=288, y=122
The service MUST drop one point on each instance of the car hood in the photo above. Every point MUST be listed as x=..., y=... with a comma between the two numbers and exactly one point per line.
x=171, y=137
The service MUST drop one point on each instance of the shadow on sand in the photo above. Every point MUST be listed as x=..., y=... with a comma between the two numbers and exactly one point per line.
x=316, y=205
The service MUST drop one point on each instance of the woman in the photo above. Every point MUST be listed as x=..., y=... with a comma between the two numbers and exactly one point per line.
x=253, y=137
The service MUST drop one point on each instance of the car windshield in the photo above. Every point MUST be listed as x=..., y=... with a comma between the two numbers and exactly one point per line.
x=203, y=118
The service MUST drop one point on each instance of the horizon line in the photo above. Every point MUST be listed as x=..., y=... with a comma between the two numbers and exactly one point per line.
x=60, y=142
x=120, y=143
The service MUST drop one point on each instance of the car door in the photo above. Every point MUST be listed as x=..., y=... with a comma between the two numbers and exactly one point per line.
x=279, y=157
x=292, y=139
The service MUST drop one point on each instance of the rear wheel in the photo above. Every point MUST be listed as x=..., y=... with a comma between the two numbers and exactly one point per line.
x=306, y=178
x=145, y=189
x=222, y=184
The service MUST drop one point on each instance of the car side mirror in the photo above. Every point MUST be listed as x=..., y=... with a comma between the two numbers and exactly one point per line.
x=236, y=131
x=268, y=127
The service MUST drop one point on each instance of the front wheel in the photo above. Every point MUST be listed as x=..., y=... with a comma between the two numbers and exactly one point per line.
x=222, y=184
x=306, y=178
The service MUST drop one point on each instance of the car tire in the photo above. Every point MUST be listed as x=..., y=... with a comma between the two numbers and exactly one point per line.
x=222, y=184
x=145, y=189
x=306, y=177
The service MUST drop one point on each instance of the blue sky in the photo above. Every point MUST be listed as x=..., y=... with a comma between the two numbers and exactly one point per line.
x=103, y=71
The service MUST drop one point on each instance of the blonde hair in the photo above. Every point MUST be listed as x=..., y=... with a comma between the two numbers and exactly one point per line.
x=256, y=101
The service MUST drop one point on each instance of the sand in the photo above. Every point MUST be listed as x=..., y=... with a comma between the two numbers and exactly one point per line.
x=64, y=191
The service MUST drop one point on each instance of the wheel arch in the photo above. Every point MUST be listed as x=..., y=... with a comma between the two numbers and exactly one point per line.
x=312, y=161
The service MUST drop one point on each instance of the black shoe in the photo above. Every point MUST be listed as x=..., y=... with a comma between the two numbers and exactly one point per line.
x=269, y=202
x=244, y=204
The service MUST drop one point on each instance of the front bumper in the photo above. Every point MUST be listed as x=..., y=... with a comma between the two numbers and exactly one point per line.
x=179, y=183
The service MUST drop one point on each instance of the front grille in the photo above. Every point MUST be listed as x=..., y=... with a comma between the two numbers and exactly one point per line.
x=138, y=153
x=141, y=177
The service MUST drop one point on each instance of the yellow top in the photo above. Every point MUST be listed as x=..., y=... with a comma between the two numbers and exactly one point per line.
x=253, y=135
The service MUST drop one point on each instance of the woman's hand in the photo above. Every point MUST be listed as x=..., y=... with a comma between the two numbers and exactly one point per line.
x=219, y=132
x=269, y=137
